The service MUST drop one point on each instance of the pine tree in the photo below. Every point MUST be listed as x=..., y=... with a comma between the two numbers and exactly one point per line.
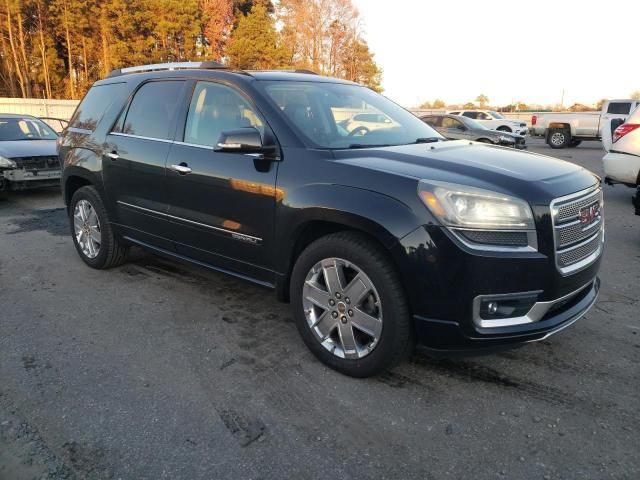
x=254, y=42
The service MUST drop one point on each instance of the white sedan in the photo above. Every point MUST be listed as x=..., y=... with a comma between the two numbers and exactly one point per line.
x=494, y=121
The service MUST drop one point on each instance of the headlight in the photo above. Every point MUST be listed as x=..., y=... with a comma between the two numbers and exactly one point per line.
x=505, y=139
x=7, y=162
x=460, y=206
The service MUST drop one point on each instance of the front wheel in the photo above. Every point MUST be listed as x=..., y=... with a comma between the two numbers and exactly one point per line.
x=349, y=305
x=558, y=138
x=93, y=236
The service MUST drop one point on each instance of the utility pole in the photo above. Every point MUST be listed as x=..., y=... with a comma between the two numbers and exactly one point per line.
x=562, y=99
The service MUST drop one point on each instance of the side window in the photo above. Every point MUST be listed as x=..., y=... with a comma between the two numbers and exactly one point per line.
x=470, y=114
x=433, y=121
x=152, y=112
x=619, y=108
x=482, y=116
x=215, y=108
x=93, y=105
x=448, y=122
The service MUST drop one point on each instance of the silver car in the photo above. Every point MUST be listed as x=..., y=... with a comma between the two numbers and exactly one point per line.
x=28, y=156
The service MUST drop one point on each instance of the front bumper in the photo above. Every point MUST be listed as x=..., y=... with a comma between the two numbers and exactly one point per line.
x=20, y=178
x=444, y=281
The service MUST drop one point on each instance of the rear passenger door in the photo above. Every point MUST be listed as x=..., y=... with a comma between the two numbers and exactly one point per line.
x=222, y=203
x=134, y=165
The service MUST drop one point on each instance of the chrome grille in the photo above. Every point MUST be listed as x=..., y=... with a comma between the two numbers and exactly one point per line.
x=578, y=243
x=45, y=161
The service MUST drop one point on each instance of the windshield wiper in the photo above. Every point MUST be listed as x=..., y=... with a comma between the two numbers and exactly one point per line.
x=364, y=145
x=427, y=140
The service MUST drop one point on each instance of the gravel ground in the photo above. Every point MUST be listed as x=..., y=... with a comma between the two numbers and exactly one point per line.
x=158, y=370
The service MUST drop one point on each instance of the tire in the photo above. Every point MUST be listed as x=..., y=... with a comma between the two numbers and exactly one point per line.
x=110, y=251
x=484, y=140
x=384, y=305
x=575, y=143
x=558, y=138
x=504, y=129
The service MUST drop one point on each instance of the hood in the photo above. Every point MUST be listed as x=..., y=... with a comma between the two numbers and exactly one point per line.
x=534, y=177
x=28, y=148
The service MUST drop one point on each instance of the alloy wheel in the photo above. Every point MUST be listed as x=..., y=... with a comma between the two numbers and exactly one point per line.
x=86, y=226
x=557, y=138
x=342, y=308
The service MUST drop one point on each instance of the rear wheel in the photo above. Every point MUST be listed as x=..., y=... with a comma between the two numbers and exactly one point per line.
x=92, y=234
x=349, y=305
x=558, y=138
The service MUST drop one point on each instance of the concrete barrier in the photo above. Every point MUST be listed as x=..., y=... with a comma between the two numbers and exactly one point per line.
x=39, y=107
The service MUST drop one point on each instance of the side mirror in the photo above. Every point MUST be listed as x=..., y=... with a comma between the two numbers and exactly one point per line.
x=240, y=140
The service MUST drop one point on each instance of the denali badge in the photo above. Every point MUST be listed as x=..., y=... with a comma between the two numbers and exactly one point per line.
x=589, y=214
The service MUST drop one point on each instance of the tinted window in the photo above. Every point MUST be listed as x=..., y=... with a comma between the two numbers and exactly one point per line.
x=454, y=113
x=215, y=108
x=471, y=114
x=152, y=111
x=620, y=108
x=93, y=106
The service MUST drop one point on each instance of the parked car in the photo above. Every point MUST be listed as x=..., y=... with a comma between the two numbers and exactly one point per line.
x=58, y=124
x=378, y=240
x=494, y=121
x=569, y=129
x=622, y=162
x=363, y=123
x=28, y=157
x=462, y=128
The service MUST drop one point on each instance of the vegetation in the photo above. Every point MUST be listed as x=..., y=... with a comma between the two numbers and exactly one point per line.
x=58, y=48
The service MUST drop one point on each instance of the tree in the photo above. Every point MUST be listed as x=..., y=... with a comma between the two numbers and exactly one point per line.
x=218, y=21
x=600, y=102
x=254, y=43
x=635, y=95
x=469, y=106
x=437, y=103
x=482, y=99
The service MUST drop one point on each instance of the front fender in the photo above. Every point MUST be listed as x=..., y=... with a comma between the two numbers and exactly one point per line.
x=379, y=215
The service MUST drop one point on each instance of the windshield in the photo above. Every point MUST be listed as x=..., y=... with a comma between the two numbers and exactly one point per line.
x=471, y=123
x=334, y=115
x=25, y=129
x=496, y=114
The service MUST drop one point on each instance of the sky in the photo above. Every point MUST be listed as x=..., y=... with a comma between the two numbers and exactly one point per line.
x=509, y=50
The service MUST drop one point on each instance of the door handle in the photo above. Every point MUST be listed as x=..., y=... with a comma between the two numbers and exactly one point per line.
x=182, y=169
x=113, y=155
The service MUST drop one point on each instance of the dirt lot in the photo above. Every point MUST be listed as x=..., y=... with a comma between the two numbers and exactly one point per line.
x=158, y=370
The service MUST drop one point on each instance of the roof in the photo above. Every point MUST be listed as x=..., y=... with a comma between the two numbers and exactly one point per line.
x=16, y=115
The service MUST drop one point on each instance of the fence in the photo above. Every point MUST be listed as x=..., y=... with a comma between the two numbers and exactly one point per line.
x=39, y=107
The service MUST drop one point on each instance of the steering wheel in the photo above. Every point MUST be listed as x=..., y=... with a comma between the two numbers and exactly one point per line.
x=362, y=131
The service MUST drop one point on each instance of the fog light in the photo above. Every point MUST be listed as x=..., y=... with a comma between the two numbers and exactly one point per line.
x=506, y=306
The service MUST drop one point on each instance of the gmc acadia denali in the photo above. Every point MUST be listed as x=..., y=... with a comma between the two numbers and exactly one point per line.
x=379, y=238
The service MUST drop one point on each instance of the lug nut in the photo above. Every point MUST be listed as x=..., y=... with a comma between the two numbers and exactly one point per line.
x=332, y=302
x=343, y=319
x=346, y=300
x=350, y=312
x=334, y=314
x=338, y=296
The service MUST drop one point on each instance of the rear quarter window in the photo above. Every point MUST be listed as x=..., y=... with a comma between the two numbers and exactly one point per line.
x=93, y=106
x=619, y=108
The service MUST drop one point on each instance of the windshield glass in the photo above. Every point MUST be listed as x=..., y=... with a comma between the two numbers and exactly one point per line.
x=25, y=129
x=496, y=114
x=334, y=115
x=471, y=123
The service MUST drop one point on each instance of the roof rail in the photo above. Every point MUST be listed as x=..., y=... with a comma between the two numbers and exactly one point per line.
x=167, y=66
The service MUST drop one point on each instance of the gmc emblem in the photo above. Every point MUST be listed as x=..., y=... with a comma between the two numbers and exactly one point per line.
x=589, y=214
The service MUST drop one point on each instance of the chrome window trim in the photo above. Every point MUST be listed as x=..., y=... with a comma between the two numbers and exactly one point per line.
x=535, y=313
x=532, y=239
x=235, y=235
x=187, y=144
x=85, y=131
x=140, y=137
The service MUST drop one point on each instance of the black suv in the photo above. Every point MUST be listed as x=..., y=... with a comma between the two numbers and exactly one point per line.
x=379, y=238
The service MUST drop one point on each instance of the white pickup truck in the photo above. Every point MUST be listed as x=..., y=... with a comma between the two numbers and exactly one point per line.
x=568, y=129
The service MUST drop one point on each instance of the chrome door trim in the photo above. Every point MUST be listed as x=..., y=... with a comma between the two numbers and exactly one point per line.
x=235, y=235
x=118, y=134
